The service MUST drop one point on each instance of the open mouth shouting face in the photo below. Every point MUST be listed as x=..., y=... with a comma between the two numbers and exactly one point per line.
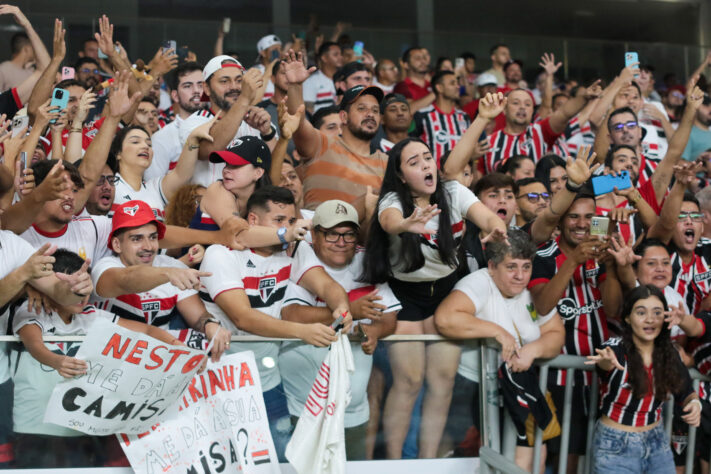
x=689, y=227
x=418, y=169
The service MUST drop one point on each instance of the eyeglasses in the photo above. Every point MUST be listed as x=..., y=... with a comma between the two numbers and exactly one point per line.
x=534, y=197
x=108, y=178
x=86, y=70
x=631, y=125
x=333, y=236
x=694, y=216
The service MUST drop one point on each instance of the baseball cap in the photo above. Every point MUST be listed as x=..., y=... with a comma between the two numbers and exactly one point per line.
x=354, y=92
x=214, y=65
x=247, y=150
x=267, y=42
x=513, y=61
x=329, y=214
x=347, y=70
x=134, y=214
x=486, y=79
x=391, y=99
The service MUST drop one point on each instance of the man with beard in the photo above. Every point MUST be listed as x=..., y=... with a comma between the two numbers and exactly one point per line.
x=185, y=84
x=147, y=115
x=700, y=138
x=278, y=92
x=351, y=75
x=343, y=167
x=500, y=55
x=513, y=76
x=396, y=121
x=416, y=88
x=442, y=124
x=88, y=72
x=102, y=196
x=532, y=199
x=231, y=91
x=136, y=283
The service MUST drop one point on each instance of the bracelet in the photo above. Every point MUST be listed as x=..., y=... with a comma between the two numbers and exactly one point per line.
x=571, y=188
x=76, y=130
x=269, y=135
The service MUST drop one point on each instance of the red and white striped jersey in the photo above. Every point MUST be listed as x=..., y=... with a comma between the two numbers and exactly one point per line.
x=580, y=307
x=701, y=351
x=439, y=130
x=535, y=142
x=619, y=403
x=693, y=280
x=320, y=90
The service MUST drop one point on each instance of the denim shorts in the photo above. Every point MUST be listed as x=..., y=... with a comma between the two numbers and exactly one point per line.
x=621, y=451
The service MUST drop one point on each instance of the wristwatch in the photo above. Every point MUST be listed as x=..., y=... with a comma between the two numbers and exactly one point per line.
x=270, y=134
x=281, y=233
x=210, y=320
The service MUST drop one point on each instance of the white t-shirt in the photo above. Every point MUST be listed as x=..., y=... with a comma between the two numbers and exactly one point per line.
x=299, y=362
x=264, y=280
x=460, y=199
x=87, y=236
x=166, y=150
x=150, y=193
x=386, y=89
x=320, y=90
x=516, y=315
x=155, y=307
x=35, y=382
x=207, y=173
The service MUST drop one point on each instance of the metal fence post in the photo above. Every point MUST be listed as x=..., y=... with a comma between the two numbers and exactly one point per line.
x=592, y=418
x=565, y=425
x=691, y=445
x=543, y=383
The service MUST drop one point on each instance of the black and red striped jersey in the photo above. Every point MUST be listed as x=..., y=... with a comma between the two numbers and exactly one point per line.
x=633, y=228
x=619, y=403
x=580, y=306
x=439, y=130
x=535, y=142
x=701, y=352
x=693, y=280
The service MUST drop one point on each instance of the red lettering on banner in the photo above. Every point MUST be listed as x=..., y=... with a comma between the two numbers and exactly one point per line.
x=319, y=390
x=155, y=358
x=193, y=391
x=229, y=378
x=215, y=381
x=245, y=375
x=137, y=350
x=176, y=353
x=192, y=363
x=114, y=344
x=204, y=387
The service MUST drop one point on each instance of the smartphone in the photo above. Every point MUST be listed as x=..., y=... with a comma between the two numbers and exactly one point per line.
x=23, y=161
x=182, y=53
x=275, y=54
x=67, y=73
x=631, y=57
x=226, y=23
x=18, y=123
x=358, y=48
x=60, y=98
x=102, y=55
x=599, y=226
x=606, y=183
x=458, y=63
x=169, y=45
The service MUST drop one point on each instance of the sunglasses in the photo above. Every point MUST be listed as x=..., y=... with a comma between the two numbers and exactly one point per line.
x=534, y=197
x=631, y=125
x=111, y=179
x=694, y=216
x=86, y=70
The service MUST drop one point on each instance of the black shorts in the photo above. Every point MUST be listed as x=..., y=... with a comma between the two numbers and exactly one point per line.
x=578, y=418
x=420, y=299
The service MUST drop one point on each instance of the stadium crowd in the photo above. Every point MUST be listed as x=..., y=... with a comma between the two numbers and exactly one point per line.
x=183, y=196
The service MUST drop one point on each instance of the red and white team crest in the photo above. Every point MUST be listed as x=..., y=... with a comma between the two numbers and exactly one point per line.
x=131, y=211
x=266, y=288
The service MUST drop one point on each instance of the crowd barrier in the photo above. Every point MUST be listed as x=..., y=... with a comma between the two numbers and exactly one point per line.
x=498, y=436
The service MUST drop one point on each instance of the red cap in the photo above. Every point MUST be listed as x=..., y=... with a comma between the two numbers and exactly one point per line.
x=134, y=214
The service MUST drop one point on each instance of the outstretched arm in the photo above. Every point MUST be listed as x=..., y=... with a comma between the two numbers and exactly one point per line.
x=562, y=116
x=43, y=88
x=306, y=138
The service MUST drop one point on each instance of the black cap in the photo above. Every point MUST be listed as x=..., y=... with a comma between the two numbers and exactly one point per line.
x=347, y=69
x=391, y=99
x=513, y=61
x=354, y=92
x=243, y=151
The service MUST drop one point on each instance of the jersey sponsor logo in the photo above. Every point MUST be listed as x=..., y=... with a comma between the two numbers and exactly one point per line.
x=266, y=288
x=702, y=276
x=131, y=211
x=568, y=308
x=592, y=272
x=442, y=137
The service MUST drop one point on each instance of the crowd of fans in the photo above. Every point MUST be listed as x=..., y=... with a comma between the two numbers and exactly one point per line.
x=186, y=196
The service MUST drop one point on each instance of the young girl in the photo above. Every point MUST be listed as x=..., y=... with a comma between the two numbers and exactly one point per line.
x=638, y=373
x=413, y=246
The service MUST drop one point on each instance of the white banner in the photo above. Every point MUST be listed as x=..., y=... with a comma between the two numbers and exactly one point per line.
x=131, y=380
x=218, y=425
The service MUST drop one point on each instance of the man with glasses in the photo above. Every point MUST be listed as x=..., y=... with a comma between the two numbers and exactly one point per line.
x=87, y=70
x=386, y=74
x=102, y=196
x=374, y=307
x=532, y=199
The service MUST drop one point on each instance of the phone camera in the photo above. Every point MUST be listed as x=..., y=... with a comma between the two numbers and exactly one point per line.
x=58, y=94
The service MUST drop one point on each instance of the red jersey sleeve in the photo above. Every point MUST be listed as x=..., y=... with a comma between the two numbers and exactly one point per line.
x=549, y=136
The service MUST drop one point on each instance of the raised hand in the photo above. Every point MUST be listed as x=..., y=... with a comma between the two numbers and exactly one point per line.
x=605, y=359
x=46, y=113
x=496, y=235
x=548, y=63
x=202, y=132
x=623, y=252
x=675, y=315
x=105, y=36
x=80, y=281
x=628, y=73
x=258, y=118
x=296, y=72
x=582, y=167
x=685, y=172
x=119, y=102
x=415, y=222
x=39, y=265
x=59, y=47
x=57, y=184
x=694, y=98
x=252, y=81
x=620, y=214
x=288, y=123
x=162, y=63
x=86, y=102
x=491, y=105
x=593, y=91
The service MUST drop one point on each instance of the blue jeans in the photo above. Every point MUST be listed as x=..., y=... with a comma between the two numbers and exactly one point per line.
x=279, y=420
x=617, y=451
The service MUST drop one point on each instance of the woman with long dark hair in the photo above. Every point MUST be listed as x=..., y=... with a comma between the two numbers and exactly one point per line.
x=412, y=245
x=638, y=373
x=551, y=170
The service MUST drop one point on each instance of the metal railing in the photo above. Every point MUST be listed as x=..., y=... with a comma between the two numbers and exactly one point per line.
x=496, y=455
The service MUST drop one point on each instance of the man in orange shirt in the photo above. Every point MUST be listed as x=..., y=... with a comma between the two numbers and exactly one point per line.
x=338, y=167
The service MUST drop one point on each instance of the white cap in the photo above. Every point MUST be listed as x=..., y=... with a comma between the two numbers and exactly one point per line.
x=267, y=42
x=485, y=79
x=217, y=63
